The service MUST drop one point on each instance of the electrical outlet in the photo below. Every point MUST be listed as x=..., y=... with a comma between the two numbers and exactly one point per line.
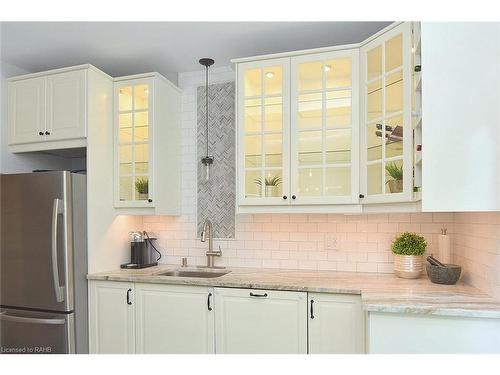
x=331, y=242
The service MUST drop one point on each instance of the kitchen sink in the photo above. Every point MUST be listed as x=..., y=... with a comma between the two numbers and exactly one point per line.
x=194, y=273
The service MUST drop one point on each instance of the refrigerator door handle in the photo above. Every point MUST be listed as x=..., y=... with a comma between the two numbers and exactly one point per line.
x=22, y=319
x=57, y=209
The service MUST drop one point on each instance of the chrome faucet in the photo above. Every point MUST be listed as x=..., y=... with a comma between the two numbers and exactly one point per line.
x=211, y=254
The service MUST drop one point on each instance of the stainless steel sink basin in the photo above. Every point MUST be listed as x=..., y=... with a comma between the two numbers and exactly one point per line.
x=194, y=273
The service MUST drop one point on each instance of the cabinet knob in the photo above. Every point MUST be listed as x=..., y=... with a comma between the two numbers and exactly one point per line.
x=293, y=197
x=40, y=133
x=285, y=197
x=361, y=195
x=47, y=133
x=150, y=200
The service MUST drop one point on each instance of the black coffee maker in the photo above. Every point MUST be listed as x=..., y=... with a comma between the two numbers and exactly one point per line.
x=142, y=251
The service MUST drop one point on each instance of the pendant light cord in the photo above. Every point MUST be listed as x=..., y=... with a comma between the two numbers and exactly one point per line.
x=206, y=103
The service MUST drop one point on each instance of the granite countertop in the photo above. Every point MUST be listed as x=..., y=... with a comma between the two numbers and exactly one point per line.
x=379, y=292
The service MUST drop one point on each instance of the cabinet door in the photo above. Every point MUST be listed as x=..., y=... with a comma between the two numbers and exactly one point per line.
x=27, y=110
x=66, y=105
x=386, y=128
x=260, y=321
x=174, y=319
x=263, y=132
x=336, y=324
x=324, y=128
x=133, y=143
x=112, y=318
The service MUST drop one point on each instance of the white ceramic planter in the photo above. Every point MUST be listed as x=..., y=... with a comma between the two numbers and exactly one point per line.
x=408, y=266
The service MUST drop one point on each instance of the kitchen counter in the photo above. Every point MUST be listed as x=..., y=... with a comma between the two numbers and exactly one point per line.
x=379, y=292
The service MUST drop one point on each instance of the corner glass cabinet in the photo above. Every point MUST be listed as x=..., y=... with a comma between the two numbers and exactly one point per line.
x=133, y=151
x=387, y=170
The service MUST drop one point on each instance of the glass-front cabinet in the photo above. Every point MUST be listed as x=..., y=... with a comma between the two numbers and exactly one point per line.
x=263, y=132
x=133, y=146
x=386, y=130
x=324, y=128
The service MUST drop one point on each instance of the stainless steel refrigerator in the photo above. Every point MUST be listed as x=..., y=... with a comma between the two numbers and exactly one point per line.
x=43, y=263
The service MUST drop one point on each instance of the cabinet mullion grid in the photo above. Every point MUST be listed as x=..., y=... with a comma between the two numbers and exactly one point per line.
x=383, y=118
x=323, y=127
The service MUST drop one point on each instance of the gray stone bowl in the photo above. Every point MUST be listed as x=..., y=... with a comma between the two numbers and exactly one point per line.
x=448, y=275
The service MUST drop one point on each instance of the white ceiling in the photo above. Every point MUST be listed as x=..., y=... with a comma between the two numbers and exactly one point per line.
x=121, y=48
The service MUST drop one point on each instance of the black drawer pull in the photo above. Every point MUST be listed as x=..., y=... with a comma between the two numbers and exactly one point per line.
x=208, y=302
x=312, y=310
x=258, y=295
x=128, y=297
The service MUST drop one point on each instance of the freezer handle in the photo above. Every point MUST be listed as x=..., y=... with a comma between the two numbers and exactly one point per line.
x=57, y=209
x=22, y=319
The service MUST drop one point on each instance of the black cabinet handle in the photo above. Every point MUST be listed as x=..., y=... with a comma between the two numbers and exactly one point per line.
x=361, y=195
x=40, y=133
x=47, y=133
x=418, y=68
x=312, y=309
x=293, y=197
x=285, y=197
x=258, y=295
x=128, y=297
x=150, y=200
x=208, y=302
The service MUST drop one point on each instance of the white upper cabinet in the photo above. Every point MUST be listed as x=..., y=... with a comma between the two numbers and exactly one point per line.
x=27, y=110
x=324, y=128
x=49, y=110
x=328, y=131
x=461, y=116
x=263, y=103
x=147, y=145
x=66, y=105
x=386, y=126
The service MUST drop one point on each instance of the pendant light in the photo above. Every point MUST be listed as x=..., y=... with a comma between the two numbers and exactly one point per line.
x=207, y=160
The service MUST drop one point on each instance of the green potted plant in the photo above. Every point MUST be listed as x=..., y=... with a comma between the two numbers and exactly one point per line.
x=396, y=184
x=271, y=185
x=408, y=249
x=141, y=185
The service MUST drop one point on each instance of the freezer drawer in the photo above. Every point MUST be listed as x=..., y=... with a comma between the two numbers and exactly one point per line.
x=32, y=332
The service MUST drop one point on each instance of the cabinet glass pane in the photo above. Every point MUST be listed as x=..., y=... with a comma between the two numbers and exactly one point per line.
x=374, y=142
x=126, y=188
x=125, y=125
x=394, y=93
x=338, y=181
x=273, y=183
x=253, y=82
x=141, y=93
x=273, y=150
x=253, y=151
x=253, y=115
x=338, y=146
x=141, y=128
x=310, y=111
x=253, y=182
x=273, y=80
x=338, y=73
x=311, y=76
x=394, y=176
x=141, y=185
x=141, y=158
x=310, y=147
x=374, y=63
x=394, y=137
x=374, y=98
x=273, y=114
x=394, y=53
x=338, y=108
x=125, y=158
x=374, y=176
x=125, y=99
x=310, y=182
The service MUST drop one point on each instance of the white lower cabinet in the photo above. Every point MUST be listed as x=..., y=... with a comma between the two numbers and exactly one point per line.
x=112, y=317
x=260, y=321
x=174, y=319
x=336, y=324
